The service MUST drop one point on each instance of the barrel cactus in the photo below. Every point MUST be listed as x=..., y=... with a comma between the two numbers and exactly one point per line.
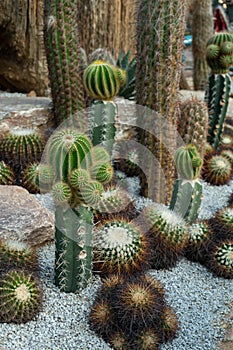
x=7, y=176
x=37, y=177
x=102, y=54
x=217, y=170
x=221, y=259
x=222, y=224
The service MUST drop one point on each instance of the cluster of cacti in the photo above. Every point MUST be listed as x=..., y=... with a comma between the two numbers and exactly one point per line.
x=168, y=234
x=187, y=192
x=133, y=314
x=217, y=170
x=193, y=123
x=158, y=69
x=7, y=176
x=20, y=290
x=80, y=170
x=64, y=60
x=219, y=56
x=120, y=247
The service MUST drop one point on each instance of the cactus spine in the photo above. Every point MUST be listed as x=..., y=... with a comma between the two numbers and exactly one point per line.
x=219, y=55
x=160, y=31
x=64, y=58
x=6, y=174
x=187, y=192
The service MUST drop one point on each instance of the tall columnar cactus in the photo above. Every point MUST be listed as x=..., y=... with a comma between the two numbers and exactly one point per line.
x=160, y=31
x=193, y=123
x=74, y=191
x=219, y=55
x=187, y=192
x=64, y=58
x=202, y=30
x=102, y=82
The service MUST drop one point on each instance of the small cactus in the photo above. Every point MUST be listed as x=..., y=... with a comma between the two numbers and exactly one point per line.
x=120, y=247
x=170, y=324
x=37, y=178
x=7, y=176
x=101, y=54
x=91, y=193
x=228, y=154
x=221, y=259
x=20, y=297
x=128, y=90
x=222, y=224
x=219, y=52
x=61, y=192
x=217, y=170
x=147, y=339
x=79, y=178
x=102, y=172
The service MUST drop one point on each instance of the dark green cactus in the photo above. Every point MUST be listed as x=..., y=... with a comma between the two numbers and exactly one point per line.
x=123, y=61
x=219, y=55
x=160, y=32
x=187, y=190
x=7, y=176
x=37, y=178
x=64, y=60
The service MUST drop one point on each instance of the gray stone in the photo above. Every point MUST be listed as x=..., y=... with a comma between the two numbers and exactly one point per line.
x=23, y=218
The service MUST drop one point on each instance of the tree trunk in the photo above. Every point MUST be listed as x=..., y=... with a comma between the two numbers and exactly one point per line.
x=22, y=58
x=109, y=24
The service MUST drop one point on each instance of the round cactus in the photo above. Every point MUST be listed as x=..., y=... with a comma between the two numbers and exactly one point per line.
x=147, y=339
x=226, y=141
x=170, y=324
x=91, y=193
x=119, y=341
x=37, y=178
x=188, y=162
x=168, y=233
x=79, y=178
x=219, y=52
x=98, y=154
x=15, y=254
x=222, y=224
x=61, y=192
x=221, y=259
x=20, y=297
x=21, y=146
x=102, y=172
x=228, y=154
x=101, y=80
x=101, y=54
x=7, y=176
x=67, y=150
x=217, y=170
x=200, y=236
x=120, y=247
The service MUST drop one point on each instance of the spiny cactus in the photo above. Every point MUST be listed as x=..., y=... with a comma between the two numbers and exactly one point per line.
x=187, y=191
x=37, y=178
x=101, y=54
x=170, y=324
x=22, y=146
x=120, y=247
x=20, y=297
x=222, y=223
x=226, y=141
x=217, y=170
x=64, y=60
x=221, y=259
x=61, y=192
x=118, y=340
x=168, y=233
x=193, y=123
x=157, y=87
x=228, y=154
x=7, y=176
x=79, y=178
x=91, y=193
x=15, y=254
x=128, y=90
x=102, y=172
x=147, y=339
x=219, y=55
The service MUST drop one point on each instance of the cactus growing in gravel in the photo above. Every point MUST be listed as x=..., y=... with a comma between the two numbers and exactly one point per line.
x=217, y=170
x=187, y=192
x=120, y=247
x=193, y=123
x=147, y=339
x=222, y=223
x=7, y=175
x=64, y=59
x=160, y=31
x=20, y=297
x=221, y=259
x=21, y=146
x=15, y=254
x=168, y=234
x=170, y=324
x=219, y=55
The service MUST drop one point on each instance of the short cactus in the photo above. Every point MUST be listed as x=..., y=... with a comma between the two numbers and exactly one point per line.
x=226, y=141
x=168, y=233
x=217, y=170
x=79, y=178
x=147, y=339
x=37, y=178
x=120, y=247
x=102, y=172
x=222, y=224
x=22, y=146
x=228, y=154
x=101, y=54
x=221, y=259
x=118, y=340
x=7, y=176
x=15, y=254
x=20, y=297
x=170, y=324
x=91, y=193
x=98, y=154
x=61, y=192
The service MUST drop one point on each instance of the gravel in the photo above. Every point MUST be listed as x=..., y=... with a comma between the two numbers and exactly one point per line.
x=200, y=300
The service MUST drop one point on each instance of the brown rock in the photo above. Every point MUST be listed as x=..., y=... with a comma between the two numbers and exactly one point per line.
x=23, y=218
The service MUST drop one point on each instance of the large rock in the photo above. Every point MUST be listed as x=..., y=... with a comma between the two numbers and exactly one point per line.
x=23, y=218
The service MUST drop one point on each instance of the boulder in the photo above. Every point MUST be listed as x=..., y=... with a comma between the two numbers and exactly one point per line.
x=23, y=218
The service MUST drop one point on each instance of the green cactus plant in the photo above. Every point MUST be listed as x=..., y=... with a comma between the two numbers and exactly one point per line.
x=123, y=61
x=101, y=54
x=22, y=146
x=120, y=247
x=222, y=224
x=37, y=178
x=187, y=191
x=157, y=88
x=16, y=254
x=64, y=61
x=20, y=296
x=221, y=259
x=228, y=154
x=217, y=170
x=219, y=56
x=168, y=234
x=102, y=172
x=193, y=123
x=7, y=176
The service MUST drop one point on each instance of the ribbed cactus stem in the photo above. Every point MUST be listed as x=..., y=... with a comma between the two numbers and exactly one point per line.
x=73, y=240
x=64, y=59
